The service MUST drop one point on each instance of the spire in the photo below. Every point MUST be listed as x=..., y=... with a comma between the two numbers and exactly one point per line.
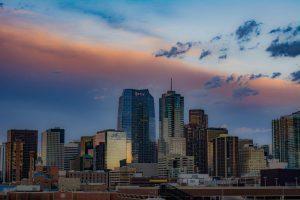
x=171, y=84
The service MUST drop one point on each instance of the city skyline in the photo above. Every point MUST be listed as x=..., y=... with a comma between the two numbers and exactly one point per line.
x=64, y=64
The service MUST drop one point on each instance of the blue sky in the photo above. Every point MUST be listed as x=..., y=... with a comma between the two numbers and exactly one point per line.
x=65, y=63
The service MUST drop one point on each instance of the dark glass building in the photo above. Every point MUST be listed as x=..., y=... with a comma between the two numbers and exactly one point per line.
x=20, y=144
x=196, y=144
x=225, y=156
x=171, y=124
x=286, y=139
x=136, y=117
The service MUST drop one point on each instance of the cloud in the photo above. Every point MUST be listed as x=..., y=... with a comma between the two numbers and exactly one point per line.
x=216, y=38
x=178, y=49
x=230, y=78
x=296, y=77
x=214, y=82
x=282, y=30
x=204, y=53
x=243, y=92
x=286, y=49
x=247, y=30
x=275, y=75
x=256, y=76
x=223, y=56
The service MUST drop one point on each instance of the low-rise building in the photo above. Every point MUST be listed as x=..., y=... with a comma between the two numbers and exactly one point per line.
x=121, y=176
x=172, y=165
x=280, y=177
x=276, y=164
x=147, y=169
x=251, y=160
x=88, y=177
x=69, y=184
x=194, y=179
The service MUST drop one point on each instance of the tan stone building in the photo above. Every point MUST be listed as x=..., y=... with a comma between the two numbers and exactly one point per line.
x=173, y=165
x=251, y=160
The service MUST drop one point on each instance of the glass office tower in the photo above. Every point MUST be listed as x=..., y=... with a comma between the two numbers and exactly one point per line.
x=136, y=117
x=171, y=133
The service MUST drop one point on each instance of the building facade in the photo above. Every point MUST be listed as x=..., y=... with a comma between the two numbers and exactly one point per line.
x=20, y=144
x=286, y=139
x=210, y=135
x=86, y=152
x=171, y=124
x=225, y=156
x=136, y=116
x=172, y=165
x=2, y=163
x=87, y=177
x=251, y=160
x=71, y=152
x=53, y=141
x=196, y=144
x=115, y=148
x=121, y=176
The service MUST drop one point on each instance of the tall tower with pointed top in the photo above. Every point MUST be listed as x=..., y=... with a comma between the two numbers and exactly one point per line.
x=171, y=124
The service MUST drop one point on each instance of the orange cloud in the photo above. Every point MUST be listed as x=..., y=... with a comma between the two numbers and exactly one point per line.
x=33, y=49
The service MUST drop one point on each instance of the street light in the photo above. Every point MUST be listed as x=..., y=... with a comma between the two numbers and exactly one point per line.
x=265, y=181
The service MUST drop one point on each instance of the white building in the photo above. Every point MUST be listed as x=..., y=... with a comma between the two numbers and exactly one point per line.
x=194, y=179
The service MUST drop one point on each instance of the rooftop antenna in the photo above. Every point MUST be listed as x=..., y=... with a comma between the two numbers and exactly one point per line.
x=171, y=84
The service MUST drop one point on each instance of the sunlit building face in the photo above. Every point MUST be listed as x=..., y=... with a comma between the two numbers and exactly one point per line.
x=116, y=148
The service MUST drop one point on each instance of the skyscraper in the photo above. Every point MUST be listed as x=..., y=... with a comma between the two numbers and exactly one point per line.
x=198, y=117
x=196, y=144
x=136, y=117
x=53, y=141
x=210, y=135
x=171, y=125
x=20, y=144
x=2, y=162
x=225, y=159
x=112, y=145
x=286, y=139
x=71, y=152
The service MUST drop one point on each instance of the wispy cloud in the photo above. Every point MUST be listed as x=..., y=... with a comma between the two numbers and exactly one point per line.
x=295, y=76
x=243, y=92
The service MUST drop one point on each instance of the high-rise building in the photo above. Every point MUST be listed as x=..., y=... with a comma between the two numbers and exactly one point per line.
x=245, y=142
x=266, y=149
x=196, y=144
x=53, y=141
x=2, y=162
x=136, y=117
x=251, y=160
x=225, y=156
x=171, y=127
x=198, y=117
x=286, y=139
x=86, y=152
x=71, y=152
x=18, y=147
x=115, y=149
x=210, y=134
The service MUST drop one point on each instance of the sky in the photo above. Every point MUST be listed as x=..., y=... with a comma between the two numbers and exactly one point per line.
x=65, y=63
